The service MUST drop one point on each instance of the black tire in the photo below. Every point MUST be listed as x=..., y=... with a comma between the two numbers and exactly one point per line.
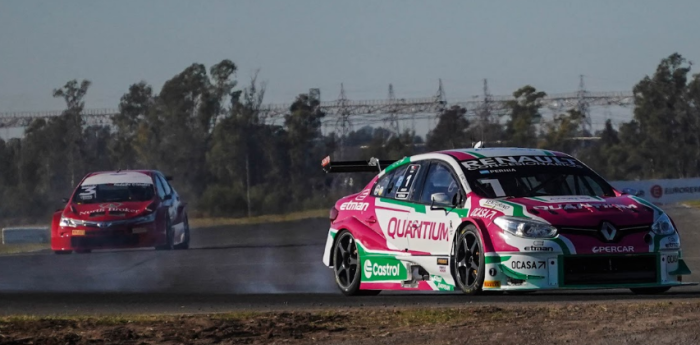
x=650, y=291
x=62, y=252
x=168, y=236
x=346, y=266
x=468, y=262
x=186, y=242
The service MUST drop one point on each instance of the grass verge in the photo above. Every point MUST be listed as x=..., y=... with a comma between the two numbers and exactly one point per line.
x=648, y=322
x=692, y=203
x=211, y=222
x=21, y=248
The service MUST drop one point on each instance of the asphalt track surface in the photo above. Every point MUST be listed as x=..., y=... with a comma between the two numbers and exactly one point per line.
x=259, y=267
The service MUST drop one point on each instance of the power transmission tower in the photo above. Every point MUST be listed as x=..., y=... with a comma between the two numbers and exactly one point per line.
x=343, y=126
x=485, y=114
x=393, y=115
x=441, y=100
x=582, y=105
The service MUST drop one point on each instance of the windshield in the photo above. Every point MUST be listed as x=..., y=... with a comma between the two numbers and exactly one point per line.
x=113, y=192
x=531, y=176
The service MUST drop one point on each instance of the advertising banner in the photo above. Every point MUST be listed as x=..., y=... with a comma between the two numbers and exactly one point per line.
x=664, y=191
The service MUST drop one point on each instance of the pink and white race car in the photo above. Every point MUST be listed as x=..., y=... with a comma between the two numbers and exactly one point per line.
x=496, y=219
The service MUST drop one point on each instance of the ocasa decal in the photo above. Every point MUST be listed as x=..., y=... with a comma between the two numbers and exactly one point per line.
x=528, y=265
x=417, y=229
x=483, y=213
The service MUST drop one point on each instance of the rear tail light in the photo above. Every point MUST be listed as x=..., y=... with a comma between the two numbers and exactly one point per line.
x=333, y=214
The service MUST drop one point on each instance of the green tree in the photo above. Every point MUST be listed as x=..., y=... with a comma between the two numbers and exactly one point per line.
x=558, y=134
x=524, y=114
x=451, y=132
x=134, y=109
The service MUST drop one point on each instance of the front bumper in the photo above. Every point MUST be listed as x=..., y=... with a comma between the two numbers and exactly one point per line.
x=120, y=236
x=547, y=271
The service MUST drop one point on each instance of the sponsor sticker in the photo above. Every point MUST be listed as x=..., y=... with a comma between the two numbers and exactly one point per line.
x=442, y=261
x=354, y=206
x=492, y=284
x=528, y=264
x=538, y=249
x=613, y=249
x=78, y=232
x=403, y=228
x=363, y=195
x=672, y=259
x=580, y=206
x=514, y=161
x=498, y=206
x=483, y=213
x=492, y=272
x=383, y=269
x=672, y=245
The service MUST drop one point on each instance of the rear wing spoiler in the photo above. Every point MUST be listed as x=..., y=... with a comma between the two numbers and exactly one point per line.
x=373, y=165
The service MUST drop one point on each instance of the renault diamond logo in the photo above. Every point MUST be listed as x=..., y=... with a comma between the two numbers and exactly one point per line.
x=608, y=231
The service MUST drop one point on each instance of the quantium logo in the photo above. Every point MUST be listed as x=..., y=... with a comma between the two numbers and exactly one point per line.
x=374, y=269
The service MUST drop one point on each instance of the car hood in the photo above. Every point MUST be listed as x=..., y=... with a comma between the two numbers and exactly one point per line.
x=584, y=211
x=108, y=210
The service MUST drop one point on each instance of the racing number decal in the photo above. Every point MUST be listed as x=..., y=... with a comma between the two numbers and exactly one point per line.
x=88, y=192
x=407, y=179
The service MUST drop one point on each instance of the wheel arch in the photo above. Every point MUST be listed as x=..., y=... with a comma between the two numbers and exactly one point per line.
x=480, y=228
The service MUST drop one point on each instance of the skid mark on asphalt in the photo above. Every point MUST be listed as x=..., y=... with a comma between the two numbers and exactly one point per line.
x=129, y=268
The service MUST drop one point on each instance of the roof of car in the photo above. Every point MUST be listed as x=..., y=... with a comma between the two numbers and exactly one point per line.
x=471, y=153
x=122, y=176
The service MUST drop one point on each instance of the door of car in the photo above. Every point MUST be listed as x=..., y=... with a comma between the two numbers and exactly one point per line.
x=166, y=197
x=392, y=193
x=434, y=228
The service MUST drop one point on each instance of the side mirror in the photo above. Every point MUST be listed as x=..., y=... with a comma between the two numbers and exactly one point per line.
x=632, y=191
x=439, y=199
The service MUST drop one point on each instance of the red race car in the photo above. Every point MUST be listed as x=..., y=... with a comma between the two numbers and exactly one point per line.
x=121, y=209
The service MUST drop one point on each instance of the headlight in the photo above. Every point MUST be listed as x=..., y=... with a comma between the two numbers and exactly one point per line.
x=524, y=227
x=70, y=222
x=663, y=226
x=146, y=219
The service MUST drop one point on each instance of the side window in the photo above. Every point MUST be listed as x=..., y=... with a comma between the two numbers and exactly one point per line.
x=403, y=181
x=396, y=181
x=596, y=188
x=438, y=180
x=381, y=188
x=166, y=186
x=159, y=187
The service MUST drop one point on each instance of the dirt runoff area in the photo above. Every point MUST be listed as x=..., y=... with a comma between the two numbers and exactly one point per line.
x=653, y=322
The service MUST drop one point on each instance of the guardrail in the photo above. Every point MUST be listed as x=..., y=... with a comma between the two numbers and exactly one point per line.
x=19, y=235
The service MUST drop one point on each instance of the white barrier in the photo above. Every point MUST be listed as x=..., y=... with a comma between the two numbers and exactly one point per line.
x=664, y=191
x=25, y=235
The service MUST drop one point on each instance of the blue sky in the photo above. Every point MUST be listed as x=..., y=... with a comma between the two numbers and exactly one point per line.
x=365, y=44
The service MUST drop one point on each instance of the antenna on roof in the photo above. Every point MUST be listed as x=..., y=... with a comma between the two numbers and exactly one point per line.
x=479, y=144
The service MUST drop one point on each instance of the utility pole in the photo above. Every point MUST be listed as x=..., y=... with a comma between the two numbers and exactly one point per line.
x=343, y=126
x=486, y=109
x=393, y=116
x=582, y=105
